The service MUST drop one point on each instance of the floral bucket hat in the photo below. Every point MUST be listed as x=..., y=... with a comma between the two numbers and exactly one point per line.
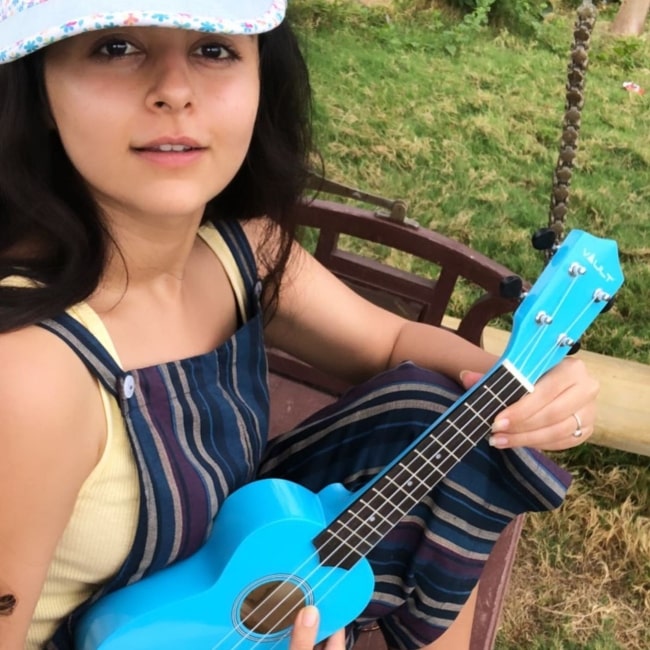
x=28, y=25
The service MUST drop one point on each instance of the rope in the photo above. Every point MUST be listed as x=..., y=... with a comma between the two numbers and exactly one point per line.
x=575, y=87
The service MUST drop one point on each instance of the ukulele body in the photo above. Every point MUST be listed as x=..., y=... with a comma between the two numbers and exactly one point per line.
x=242, y=589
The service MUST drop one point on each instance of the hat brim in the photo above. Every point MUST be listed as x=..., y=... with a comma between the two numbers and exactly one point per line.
x=34, y=26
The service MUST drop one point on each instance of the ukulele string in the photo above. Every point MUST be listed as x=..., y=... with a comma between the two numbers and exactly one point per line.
x=455, y=433
x=542, y=362
x=505, y=389
x=525, y=359
x=445, y=445
x=497, y=396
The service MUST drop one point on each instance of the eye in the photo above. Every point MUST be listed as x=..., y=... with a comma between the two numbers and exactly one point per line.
x=116, y=48
x=216, y=51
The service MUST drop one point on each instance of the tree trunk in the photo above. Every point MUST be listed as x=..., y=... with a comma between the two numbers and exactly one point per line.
x=631, y=17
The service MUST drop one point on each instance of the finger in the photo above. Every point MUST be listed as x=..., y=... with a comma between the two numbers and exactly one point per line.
x=305, y=629
x=570, y=431
x=547, y=414
x=580, y=433
x=468, y=378
x=555, y=398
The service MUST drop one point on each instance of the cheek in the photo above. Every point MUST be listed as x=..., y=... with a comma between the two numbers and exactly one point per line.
x=87, y=143
x=82, y=121
x=236, y=113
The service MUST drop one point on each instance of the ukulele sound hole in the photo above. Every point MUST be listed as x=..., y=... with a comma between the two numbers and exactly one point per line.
x=272, y=607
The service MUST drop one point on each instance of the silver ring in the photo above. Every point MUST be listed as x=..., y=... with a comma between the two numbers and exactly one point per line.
x=578, y=432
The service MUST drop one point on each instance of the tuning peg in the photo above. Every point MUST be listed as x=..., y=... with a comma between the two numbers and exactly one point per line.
x=574, y=348
x=511, y=287
x=608, y=305
x=544, y=239
x=603, y=296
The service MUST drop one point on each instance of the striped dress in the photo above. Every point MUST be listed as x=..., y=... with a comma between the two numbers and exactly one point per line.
x=198, y=428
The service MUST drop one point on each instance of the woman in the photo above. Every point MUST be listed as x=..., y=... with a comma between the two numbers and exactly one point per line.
x=150, y=153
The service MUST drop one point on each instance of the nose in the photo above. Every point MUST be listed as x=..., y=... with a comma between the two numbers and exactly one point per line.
x=171, y=84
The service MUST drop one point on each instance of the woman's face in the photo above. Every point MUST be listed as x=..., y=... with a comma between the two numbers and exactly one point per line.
x=157, y=121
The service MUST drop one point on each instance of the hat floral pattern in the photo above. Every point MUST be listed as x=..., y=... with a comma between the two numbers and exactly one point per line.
x=270, y=16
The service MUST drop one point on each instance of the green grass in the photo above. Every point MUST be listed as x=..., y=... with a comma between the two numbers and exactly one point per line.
x=464, y=123
x=470, y=139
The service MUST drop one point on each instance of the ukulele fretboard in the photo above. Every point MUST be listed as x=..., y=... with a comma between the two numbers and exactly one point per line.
x=403, y=485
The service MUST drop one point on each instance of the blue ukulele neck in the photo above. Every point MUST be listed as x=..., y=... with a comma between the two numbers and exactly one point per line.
x=385, y=501
x=581, y=279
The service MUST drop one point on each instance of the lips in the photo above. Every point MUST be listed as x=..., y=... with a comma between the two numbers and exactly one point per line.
x=170, y=145
x=171, y=153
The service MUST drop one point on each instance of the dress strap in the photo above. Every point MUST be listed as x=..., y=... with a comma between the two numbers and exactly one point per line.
x=233, y=234
x=89, y=349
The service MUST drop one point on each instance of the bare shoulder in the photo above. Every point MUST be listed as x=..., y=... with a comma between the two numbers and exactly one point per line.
x=265, y=239
x=51, y=408
x=319, y=319
x=50, y=440
x=41, y=379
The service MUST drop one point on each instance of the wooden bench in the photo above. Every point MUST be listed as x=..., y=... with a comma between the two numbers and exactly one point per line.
x=298, y=390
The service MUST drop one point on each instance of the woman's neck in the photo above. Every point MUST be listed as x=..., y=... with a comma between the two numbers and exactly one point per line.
x=149, y=253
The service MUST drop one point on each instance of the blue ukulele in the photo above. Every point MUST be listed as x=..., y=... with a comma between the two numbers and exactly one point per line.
x=277, y=546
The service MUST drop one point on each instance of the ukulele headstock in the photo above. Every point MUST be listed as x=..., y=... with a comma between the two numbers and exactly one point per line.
x=579, y=282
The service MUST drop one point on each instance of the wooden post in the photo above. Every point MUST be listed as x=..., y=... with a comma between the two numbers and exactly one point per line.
x=631, y=18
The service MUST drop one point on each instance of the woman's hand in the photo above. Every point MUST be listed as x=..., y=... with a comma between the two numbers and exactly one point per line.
x=560, y=412
x=305, y=630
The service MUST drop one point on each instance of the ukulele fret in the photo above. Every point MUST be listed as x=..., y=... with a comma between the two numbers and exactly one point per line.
x=365, y=520
x=494, y=395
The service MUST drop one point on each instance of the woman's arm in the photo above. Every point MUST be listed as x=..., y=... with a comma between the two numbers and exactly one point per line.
x=48, y=445
x=323, y=322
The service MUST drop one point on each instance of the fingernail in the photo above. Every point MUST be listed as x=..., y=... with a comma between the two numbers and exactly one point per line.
x=498, y=441
x=309, y=616
x=463, y=374
x=500, y=424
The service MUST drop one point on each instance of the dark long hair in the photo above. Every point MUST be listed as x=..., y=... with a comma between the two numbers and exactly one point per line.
x=51, y=229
